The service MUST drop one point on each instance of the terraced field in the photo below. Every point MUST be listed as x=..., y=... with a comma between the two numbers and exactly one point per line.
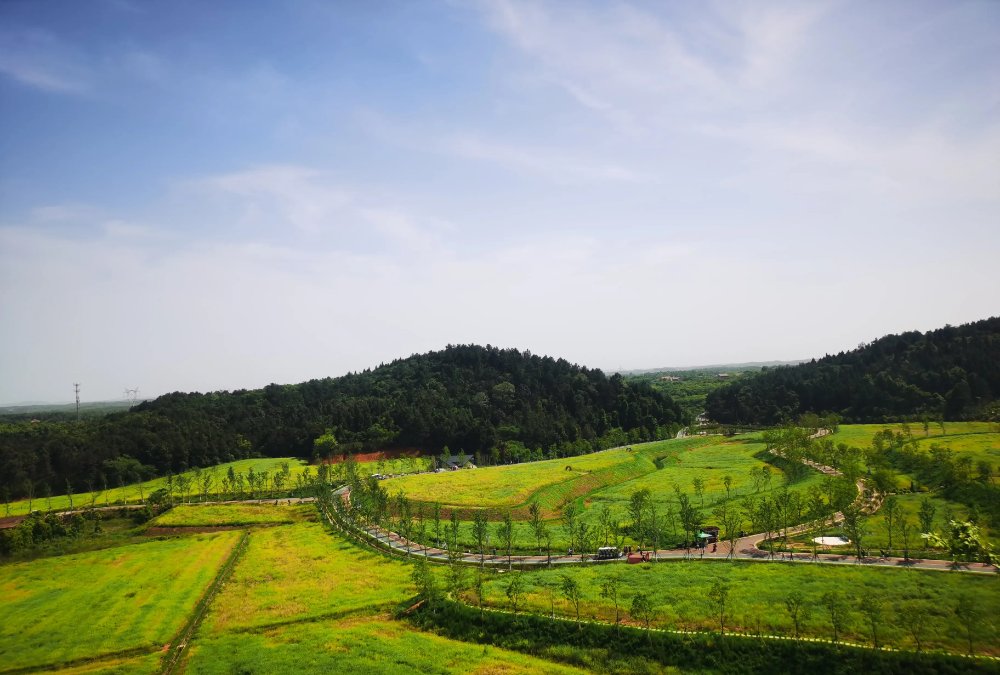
x=121, y=602
x=215, y=515
x=136, y=492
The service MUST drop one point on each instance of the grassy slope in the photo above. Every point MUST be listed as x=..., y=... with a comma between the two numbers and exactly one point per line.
x=304, y=600
x=208, y=515
x=758, y=591
x=130, y=597
x=131, y=493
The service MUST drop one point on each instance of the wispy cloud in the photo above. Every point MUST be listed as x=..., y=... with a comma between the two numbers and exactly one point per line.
x=39, y=60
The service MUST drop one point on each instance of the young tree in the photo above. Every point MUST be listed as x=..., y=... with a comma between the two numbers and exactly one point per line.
x=642, y=609
x=515, y=590
x=423, y=579
x=479, y=585
x=571, y=592
x=569, y=514
x=637, y=505
x=798, y=610
x=873, y=606
x=480, y=531
x=968, y=613
x=456, y=573
x=537, y=526
x=914, y=617
x=926, y=515
x=610, y=590
x=699, y=489
x=891, y=513
x=855, y=528
x=838, y=611
x=905, y=534
x=436, y=520
x=727, y=482
x=505, y=535
x=719, y=597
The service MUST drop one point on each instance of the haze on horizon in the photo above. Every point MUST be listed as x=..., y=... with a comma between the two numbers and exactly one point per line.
x=203, y=196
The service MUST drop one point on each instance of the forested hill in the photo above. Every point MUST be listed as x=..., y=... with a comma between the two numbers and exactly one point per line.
x=952, y=372
x=466, y=397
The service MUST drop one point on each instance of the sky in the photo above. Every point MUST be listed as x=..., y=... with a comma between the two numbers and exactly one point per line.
x=208, y=196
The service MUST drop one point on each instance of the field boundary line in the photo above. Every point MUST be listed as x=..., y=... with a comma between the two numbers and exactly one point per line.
x=82, y=661
x=178, y=645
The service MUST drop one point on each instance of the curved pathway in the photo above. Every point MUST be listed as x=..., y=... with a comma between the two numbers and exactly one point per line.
x=746, y=549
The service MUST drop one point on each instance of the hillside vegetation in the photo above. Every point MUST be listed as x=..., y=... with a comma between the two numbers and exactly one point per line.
x=478, y=399
x=951, y=373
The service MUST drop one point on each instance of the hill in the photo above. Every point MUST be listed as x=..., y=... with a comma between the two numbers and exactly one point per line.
x=951, y=373
x=500, y=403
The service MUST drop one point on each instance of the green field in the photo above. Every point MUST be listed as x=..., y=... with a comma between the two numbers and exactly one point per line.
x=861, y=435
x=127, y=599
x=758, y=590
x=304, y=600
x=135, y=493
x=210, y=515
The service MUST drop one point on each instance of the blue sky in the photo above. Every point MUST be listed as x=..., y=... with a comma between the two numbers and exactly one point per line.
x=203, y=196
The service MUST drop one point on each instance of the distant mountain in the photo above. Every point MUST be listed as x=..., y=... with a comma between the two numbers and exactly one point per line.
x=953, y=372
x=465, y=397
x=751, y=365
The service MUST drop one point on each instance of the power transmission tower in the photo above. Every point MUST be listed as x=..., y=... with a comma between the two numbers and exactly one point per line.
x=76, y=390
x=132, y=395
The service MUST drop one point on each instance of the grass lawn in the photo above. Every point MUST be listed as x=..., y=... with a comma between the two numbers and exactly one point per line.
x=133, y=493
x=758, y=591
x=207, y=515
x=361, y=644
x=137, y=597
x=861, y=435
x=301, y=571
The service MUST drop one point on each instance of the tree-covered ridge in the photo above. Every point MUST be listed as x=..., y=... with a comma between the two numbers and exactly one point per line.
x=951, y=373
x=465, y=397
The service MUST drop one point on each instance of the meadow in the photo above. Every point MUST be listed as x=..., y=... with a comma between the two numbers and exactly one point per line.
x=131, y=600
x=302, y=599
x=212, y=515
x=135, y=493
x=861, y=435
x=758, y=590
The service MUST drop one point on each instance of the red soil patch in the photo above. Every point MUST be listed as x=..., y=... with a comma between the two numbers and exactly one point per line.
x=394, y=453
x=181, y=529
x=10, y=521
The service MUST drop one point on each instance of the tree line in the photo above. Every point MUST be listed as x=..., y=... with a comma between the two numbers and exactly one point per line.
x=952, y=374
x=467, y=397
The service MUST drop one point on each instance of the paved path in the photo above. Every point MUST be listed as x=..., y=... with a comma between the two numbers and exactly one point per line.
x=746, y=549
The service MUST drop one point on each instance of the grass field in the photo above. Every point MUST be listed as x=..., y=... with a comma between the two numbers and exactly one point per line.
x=133, y=493
x=304, y=600
x=209, y=515
x=861, y=435
x=758, y=591
x=301, y=571
x=137, y=597
x=362, y=644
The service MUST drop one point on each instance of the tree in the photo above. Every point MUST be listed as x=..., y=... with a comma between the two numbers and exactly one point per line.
x=905, y=533
x=855, y=528
x=537, y=526
x=479, y=585
x=505, y=535
x=968, y=613
x=609, y=591
x=699, y=489
x=914, y=617
x=727, y=481
x=642, y=609
x=838, y=611
x=423, y=579
x=798, y=610
x=891, y=513
x=515, y=590
x=480, y=531
x=873, y=606
x=436, y=520
x=638, y=502
x=719, y=597
x=964, y=542
x=569, y=514
x=926, y=515
x=571, y=592
x=456, y=573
